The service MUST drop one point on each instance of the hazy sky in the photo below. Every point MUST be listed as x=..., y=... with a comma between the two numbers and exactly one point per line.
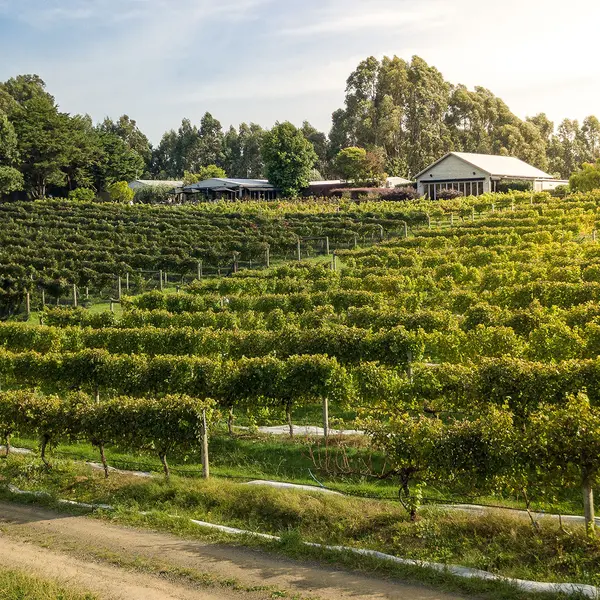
x=268, y=60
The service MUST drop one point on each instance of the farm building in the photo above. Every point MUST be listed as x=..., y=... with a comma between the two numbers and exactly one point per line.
x=230, y=189
x=393, y=182
x=476, y=174
x=145, y=183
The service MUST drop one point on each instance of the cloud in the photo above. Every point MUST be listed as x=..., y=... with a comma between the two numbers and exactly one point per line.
x=336, y=20
x=261, y=60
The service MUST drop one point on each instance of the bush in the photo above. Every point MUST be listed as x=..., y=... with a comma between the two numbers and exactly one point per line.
x=560, y=191
x=120, y=192
x=82, y=195
x=11, y=180
x=448, y=194
x=154, y=194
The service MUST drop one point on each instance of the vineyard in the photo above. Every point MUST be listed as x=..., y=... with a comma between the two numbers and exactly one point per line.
x=47, y=247
x=463, y=339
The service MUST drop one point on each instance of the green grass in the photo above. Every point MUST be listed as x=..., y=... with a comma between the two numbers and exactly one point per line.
x=18, y=585
x=505, y=545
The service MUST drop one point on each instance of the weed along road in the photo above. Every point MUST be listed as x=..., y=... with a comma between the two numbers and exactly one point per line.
x=131, y=564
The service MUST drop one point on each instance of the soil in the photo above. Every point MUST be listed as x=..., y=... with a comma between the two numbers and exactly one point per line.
x=71, y=543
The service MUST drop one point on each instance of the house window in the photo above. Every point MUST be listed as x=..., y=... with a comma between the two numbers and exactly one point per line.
x=466, y=188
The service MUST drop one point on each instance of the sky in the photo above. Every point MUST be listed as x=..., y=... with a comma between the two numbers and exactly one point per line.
x=274, y=60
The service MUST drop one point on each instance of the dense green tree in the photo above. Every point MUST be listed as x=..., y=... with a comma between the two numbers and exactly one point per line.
x=11, y=180
x=590, y=133
x=350, y=163
x=320, y=145
x=177, y=152
x=128, y=130
x=361, y=166
x=289, y=158
x=587, y=178
x=189, y=148
x=427, y=135
x=8, y=142
x=567, y=150
x=340, y=136
x=415, y=116
x=208, y=172
x=44, y=144
x=242, y=151
x=117, y=162
x=210, y=150
x=84, y=153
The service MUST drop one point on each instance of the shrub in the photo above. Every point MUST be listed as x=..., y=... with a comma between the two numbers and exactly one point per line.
x=82, y=195
x=120, y=192
x=448, y=194
x=154, y=194
x=560, y=191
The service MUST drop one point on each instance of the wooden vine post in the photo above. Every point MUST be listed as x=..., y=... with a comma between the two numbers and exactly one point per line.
x=199, y=270
x=28, y=304
x=119, y=288
x=75, y=295
x=127, y=281
x=326, y=417
x=327, y=245
x=409, y=368
x=268, y=256
x=204, y=433
x=588, y=508
x=299, y=250
x=160, y=276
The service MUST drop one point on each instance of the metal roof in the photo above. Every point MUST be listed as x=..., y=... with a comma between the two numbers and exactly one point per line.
x=326, y=182
x=496, y=166
x=156, y=182
x=218, y=182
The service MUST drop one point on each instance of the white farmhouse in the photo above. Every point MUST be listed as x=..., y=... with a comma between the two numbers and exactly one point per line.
x=476, y=174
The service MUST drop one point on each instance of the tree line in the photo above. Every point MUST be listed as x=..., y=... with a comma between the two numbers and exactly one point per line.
x=402, y=115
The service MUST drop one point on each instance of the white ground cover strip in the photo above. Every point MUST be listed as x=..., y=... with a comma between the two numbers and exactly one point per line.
x=588, y=591
x=99, y=467
x=294, y=486
x=300, y=430
x=15, y=490
x=482, y=510
x=17, y=450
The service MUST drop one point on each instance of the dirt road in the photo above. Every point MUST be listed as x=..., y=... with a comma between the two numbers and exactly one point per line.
x=106, y=559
